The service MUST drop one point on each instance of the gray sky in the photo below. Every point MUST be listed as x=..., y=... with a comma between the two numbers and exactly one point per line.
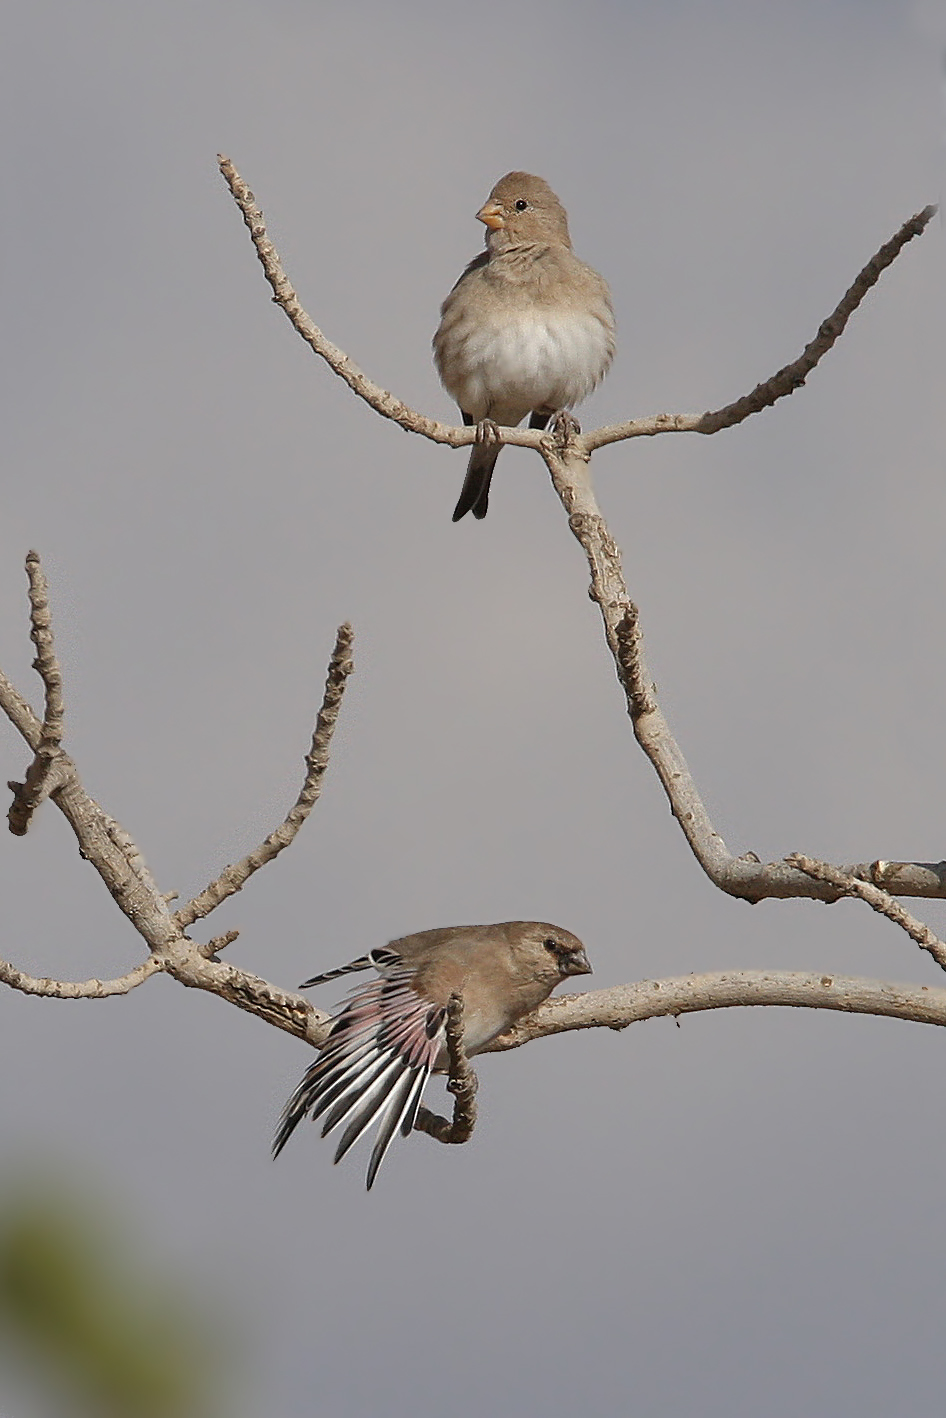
x=733, y=1218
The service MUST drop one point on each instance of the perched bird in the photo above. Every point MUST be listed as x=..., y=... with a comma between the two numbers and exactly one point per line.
x=528, y=328
x=385, y=1042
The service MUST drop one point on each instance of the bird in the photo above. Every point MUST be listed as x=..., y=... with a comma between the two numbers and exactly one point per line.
x=528, y=328
x=389, y=1037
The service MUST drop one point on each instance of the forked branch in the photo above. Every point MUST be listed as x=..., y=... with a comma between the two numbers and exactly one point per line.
x=745, y=876
x=118, y=861
x=234, y=878
x=785, y=381
x=567, y=453
x=122, y=867
x=877, y=899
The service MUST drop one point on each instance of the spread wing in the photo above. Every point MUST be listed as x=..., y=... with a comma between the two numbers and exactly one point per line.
x=373, y=1067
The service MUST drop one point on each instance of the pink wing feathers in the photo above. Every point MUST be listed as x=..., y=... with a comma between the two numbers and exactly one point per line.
x=374, y=1065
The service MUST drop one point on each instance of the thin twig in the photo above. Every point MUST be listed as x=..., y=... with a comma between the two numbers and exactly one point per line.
x=878, y=900
x=46, y=663
x=786, y=380
x=47, y=772
x=285, y=297
x=44, y=777
x=213, y=947
x=81, y=989
x=233, y=878
x=461, y=1082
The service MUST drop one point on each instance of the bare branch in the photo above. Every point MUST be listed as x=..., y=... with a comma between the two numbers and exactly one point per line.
x=627, y=634
x=46, y=663
x=615, y=1008
x=285, y=297
x=45, y=776
x=233, y=878
x=878, y=900
x=746, y=876
x=120, y=864
x=19, y=713
x=284, y=1009
x=82, y=989
x=622, y=1005
x=786, y=380
x=219, y=942
x=566, y=453
x=462, y=1083
x=126, y=844
x=46, y=773
x=186, y=962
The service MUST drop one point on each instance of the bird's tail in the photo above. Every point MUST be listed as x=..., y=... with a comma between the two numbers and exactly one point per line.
x=474, y=495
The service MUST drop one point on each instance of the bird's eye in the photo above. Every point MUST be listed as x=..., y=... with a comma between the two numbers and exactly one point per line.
x=552, y=945
x=520, y=207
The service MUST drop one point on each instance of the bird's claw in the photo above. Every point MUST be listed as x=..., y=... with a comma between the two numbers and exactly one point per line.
x=468, y=1085
x=487, y=434
x=564, y=428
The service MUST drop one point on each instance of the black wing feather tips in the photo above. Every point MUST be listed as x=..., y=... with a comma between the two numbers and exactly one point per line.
x=374, y=1064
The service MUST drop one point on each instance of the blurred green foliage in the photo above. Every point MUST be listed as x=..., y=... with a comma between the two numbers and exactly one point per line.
x=86, y=1321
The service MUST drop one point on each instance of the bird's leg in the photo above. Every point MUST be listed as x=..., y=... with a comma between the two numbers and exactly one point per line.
x=461, y=1082
x=564, y=428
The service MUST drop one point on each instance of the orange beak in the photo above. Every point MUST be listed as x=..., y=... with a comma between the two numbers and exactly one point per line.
x=491, y=215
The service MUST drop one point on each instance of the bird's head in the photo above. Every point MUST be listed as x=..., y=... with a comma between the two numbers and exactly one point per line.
x=554, y=952
x=522, y=210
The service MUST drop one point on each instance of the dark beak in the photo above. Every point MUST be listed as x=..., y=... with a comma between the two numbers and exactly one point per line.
x=577, y=964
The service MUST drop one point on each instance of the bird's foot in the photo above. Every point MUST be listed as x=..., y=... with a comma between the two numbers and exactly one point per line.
x=468, y=1085
x=564, y=428
x=487, y=434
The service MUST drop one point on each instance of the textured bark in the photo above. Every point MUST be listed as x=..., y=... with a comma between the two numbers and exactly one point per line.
x=566, y=452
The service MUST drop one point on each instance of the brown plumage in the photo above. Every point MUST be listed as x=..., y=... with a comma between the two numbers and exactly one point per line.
x=385, y=1042
x=528, y=328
